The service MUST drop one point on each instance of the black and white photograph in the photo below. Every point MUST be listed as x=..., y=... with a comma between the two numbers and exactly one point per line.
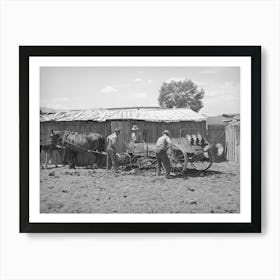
x=140, y=139
x=128, y=136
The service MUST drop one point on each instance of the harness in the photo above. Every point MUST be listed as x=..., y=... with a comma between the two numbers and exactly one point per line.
x=84, y=149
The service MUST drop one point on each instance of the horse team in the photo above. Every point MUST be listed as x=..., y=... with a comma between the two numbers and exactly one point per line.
x=68, y=144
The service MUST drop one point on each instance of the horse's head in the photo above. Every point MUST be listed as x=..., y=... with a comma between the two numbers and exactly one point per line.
x=64, y=136
x=57, y=137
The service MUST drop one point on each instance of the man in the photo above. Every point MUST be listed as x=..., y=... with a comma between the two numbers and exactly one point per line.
x=162, y=145
x=112, y=141
x=136, y=135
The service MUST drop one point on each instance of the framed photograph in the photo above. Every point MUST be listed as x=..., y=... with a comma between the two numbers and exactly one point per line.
x=140, y=139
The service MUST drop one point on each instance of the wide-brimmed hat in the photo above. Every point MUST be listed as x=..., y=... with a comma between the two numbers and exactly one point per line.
x=134, y=127
x=166, y=132
x=117, y=129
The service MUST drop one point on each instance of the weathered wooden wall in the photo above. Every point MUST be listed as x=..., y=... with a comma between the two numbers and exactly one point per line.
x=151, y=131
x=233, y=142
x=227, y=135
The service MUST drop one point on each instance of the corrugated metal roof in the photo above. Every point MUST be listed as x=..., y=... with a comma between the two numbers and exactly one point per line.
x=101, y=115
x=123, y=114
x=170, y=115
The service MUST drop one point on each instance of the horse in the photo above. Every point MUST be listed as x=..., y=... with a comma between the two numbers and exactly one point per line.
x=73, y=143
x=50, y=149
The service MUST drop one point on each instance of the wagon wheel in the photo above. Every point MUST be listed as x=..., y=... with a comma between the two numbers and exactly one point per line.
x=203, y=160
x=179, y=161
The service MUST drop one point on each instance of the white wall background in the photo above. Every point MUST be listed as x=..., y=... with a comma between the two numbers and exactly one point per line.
x=149, y=256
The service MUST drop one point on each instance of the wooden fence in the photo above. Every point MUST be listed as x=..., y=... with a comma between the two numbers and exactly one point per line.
x=233, y=142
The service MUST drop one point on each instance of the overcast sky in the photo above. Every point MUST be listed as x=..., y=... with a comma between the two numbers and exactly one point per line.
x=106, y=87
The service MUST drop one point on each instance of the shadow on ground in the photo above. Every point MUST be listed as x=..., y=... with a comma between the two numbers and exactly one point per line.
x=192, y=173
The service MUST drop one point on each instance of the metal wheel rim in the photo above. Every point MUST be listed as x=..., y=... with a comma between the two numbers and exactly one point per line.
x=202, y=165
x=179, y=160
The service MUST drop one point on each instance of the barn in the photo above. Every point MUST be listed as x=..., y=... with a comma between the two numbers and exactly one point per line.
x=150, y=120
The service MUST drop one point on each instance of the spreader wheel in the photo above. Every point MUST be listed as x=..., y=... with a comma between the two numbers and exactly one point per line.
x=203, y=160
x=178, y=160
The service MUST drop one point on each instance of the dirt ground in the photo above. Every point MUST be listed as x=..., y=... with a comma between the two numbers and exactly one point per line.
x=64, y=190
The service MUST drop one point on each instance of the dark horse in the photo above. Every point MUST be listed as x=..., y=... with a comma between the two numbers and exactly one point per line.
x=51, y=148
x=74, y=143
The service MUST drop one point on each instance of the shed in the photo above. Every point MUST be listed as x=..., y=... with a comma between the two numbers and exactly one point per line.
x=151, y=122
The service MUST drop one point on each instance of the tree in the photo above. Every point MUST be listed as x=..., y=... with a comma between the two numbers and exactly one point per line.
x=181, y=94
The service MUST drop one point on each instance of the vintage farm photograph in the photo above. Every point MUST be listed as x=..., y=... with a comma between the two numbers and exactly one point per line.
x=139, y=139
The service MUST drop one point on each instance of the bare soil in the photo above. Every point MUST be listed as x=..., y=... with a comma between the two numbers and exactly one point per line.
x=64, y=190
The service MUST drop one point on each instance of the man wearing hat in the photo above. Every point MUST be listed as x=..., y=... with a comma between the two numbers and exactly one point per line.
x=136, y=135
x=112, y=160
x=162, y=145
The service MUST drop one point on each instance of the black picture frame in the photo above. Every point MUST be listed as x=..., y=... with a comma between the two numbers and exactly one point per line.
x=25, y=52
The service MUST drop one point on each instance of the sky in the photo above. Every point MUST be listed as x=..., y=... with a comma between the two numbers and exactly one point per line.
x=111, y=87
